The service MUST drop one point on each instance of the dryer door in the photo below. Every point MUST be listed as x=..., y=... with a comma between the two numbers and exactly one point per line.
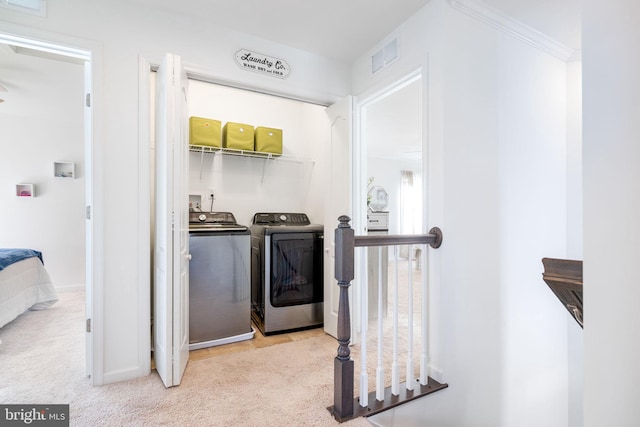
x=296, y=269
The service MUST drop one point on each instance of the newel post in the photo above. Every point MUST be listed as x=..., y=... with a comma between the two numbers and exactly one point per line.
x=343, y=364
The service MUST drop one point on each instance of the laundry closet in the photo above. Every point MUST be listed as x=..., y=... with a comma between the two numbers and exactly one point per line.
x=243, y=184
x=255, y=256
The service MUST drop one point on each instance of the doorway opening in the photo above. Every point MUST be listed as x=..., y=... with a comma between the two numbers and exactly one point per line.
x=389, y=194
x=63, y=55
x=242, y=184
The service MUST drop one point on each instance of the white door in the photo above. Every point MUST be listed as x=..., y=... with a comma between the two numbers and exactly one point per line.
x=338, y=202
x=171, y=278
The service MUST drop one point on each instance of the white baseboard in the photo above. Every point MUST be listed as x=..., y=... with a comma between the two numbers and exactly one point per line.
x=70, y=288
x=436, y=374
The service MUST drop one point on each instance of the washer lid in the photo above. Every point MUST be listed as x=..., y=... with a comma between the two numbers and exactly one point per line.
x=211, y=218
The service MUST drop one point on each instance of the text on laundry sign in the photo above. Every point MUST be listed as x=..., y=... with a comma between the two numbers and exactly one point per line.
x=264, y=64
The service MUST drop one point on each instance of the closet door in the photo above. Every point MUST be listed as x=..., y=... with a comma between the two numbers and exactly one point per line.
x=171, y=262
x=337, y=202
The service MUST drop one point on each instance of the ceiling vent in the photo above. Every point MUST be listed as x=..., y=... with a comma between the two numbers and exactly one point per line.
x=385, y=56
x=33, y=7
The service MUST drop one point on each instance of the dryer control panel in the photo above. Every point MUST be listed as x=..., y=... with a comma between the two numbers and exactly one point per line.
x=281, y=218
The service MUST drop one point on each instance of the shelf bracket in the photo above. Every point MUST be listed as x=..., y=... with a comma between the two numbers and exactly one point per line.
x=201, y=163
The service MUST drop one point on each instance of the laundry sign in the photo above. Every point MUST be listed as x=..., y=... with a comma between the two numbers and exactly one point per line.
x=264, y=64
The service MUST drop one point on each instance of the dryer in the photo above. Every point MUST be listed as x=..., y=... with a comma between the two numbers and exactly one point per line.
x=287, y=288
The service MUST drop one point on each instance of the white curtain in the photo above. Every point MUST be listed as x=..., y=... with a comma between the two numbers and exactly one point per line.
x=408, y=201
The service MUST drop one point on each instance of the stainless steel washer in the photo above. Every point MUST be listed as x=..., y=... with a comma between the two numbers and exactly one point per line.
x=219, y=280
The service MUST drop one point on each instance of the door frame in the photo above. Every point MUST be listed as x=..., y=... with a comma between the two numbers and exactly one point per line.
x=360, y=180
x=91, y=54
x=359, y=144
x=431, y=187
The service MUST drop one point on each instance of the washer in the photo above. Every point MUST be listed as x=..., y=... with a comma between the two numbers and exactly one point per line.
x=286, y=272
x=219, y=280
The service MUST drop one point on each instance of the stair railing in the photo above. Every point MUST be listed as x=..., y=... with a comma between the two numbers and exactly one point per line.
x=345, y=406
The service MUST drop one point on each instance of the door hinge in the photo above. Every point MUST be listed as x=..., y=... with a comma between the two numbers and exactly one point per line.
x=87, y=100
x=88, y=325
x=87, y=212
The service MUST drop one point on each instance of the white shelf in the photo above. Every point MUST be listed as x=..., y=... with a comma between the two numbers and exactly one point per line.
x=25, y=190
x=64, y=169
x=247, y=153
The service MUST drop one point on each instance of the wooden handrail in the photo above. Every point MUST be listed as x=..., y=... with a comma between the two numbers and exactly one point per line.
x=434, y=239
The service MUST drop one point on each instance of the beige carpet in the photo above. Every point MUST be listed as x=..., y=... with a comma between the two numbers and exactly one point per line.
x=42, y=361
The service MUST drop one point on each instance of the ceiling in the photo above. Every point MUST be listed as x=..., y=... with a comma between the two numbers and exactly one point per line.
x=345, y=29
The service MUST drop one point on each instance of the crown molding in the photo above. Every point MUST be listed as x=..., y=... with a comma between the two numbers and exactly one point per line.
x=505, y=23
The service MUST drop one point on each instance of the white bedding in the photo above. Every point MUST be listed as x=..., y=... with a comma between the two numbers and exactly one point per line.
x=24, y=285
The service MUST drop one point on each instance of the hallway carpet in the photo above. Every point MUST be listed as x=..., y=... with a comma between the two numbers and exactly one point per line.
x=42, y=361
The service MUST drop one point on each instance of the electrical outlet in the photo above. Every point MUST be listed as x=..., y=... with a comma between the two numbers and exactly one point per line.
x=211, y=194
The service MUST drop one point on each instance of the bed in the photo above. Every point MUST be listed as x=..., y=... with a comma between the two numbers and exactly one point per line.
x=24, y=284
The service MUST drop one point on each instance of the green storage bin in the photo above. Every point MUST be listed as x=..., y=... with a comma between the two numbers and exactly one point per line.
x=238, y=136
x=203, y=131
x=268, y=140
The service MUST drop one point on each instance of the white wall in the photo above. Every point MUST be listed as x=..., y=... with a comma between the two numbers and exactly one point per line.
x=611, y=154
x=41, y=122
x=119, y=33
x=497, y=156
x=244, y=185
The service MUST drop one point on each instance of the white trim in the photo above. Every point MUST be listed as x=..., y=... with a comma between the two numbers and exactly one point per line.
x=436, y=373
x=387, y=89
x=97, y=218
x=121, y=375
x=505, y=23
x=144, y=217
x=46, y=46
x=6, y=49
x=195, y=72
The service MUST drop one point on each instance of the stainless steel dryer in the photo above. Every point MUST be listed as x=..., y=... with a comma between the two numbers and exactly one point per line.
x=286, y=272
x=219, y=280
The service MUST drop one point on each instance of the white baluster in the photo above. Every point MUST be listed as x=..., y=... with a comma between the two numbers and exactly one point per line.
x=380, y=367
x=395, y=371
x=424, y=366
x=364, y=377
x=410, y=324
